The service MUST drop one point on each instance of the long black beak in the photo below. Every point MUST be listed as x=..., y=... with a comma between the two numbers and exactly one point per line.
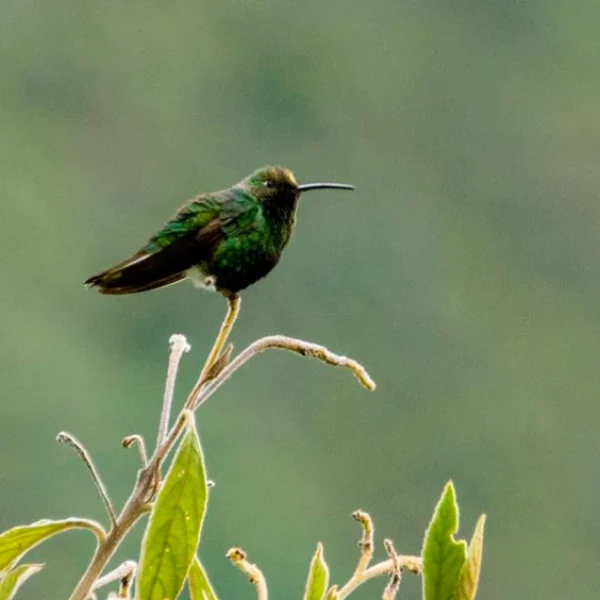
x=325, y=186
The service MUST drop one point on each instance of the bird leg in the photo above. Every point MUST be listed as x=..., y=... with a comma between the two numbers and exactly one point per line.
x=234, y=302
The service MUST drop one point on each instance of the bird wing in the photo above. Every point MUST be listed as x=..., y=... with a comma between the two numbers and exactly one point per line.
x=186, y=239
x=209, y=218
x=191, y=218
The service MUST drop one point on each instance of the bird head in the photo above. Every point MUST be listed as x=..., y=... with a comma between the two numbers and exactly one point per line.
x=278, y=185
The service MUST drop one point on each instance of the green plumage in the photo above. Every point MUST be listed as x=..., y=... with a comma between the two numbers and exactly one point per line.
x=224, y=240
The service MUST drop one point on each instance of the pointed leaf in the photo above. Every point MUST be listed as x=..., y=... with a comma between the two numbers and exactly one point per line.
x=332, y=593
x=173, y=531
x=469, y=575
x=443, y=556
x=318, y=576
x=199, y=584
x=13, y=580
x=15, y=542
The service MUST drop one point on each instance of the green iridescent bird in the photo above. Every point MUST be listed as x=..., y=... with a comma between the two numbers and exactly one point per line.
x=223, y=241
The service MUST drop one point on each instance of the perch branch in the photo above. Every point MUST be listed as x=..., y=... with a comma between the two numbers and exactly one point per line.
x=234, y=304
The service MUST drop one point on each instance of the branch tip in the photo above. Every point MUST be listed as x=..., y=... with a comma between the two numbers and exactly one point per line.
x=366, y=541
x=239, y=559
x=135, y=439
x=236, y=555
x=179, y=342
x=179, y=346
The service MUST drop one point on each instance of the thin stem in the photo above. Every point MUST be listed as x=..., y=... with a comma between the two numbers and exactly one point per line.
x=90, y=525
x=239, y=558
x=66, y=438
x=234, y=304
x=280, y=342
x=134, y=508
x=366, y=541
x=179, y=347
x=410, y=563
x=366, y=551
x=391, y=589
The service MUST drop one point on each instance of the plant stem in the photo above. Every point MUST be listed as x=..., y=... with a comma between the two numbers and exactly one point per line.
x=234, y=304
x=391, y=589
x=134, y=508
x=179, y=346
x=282, y=342
x=66, y=438
x=410, y=563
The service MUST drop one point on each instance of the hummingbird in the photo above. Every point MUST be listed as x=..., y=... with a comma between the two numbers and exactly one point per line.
x=223, y=241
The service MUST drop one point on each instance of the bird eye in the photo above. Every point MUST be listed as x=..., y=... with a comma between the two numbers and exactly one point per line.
x=268, y=183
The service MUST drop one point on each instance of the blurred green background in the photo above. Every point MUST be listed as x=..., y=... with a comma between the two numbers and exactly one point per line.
x=464, y=273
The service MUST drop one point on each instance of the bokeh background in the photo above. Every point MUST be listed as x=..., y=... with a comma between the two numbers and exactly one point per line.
x=464, y=273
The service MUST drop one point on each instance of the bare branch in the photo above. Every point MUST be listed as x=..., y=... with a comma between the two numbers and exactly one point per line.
x=391, y=589
x=280, y=342
x=66, y=438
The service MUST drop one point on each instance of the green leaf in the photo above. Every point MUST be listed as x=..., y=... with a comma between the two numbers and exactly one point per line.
x=318, y=576
x=443, y=556
x=469, y=575
x=15, y=542
x=199, y=584
x=332, y=593
x=13, y=580
x=173, y=531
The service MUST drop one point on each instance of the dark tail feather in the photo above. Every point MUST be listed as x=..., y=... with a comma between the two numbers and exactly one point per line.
x=139, y=273
x=134, y=289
